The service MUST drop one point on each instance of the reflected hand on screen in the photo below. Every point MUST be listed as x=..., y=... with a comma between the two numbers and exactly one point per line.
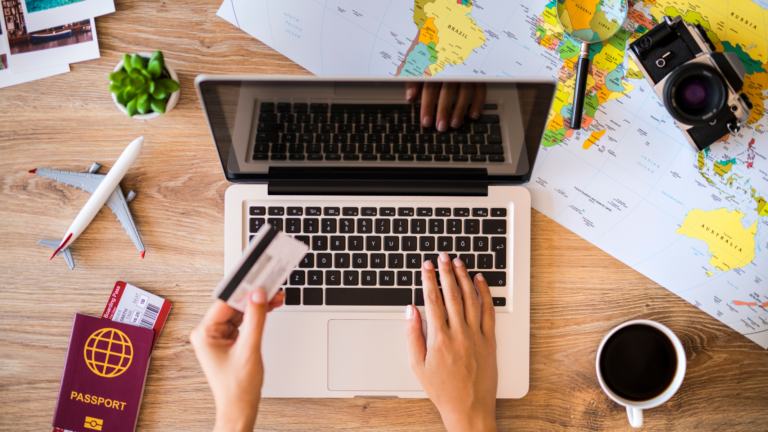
x=453, y=102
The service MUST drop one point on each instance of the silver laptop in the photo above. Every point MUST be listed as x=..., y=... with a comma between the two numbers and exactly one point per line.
x=345, y=166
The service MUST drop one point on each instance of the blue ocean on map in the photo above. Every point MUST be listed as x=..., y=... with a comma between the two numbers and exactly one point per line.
x=41, y=5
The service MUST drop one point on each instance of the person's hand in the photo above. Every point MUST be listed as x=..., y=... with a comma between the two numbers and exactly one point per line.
x=231, y=359
x=445, y=94
x=456, y=366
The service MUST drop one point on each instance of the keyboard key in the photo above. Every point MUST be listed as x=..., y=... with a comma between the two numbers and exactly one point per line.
x=479, y=212
x=293, y=128
x=488, y=118
x=366, y=149
x=267, y=107
x=484, y=261
x=324, y=260
x=313, y=296
x=331, y=211
x=400, y=226
x=387, y=211
x=404, y=278
x=318, y=108
x=277, y=211
x=499, y=301
x=292, y=296
x=435, y=149
x=287, y=118
x=368, y=296
x=409, y=139
x=492, y=149
x=323, y=138
x=405, y=211
x=293, y=225
x=332, y=277
x=297, y=277
x=351, y=278
x=417, y=278
x=350, y=211
x=463, y=244
x=351, y=157
x=337, y=118
x=395, y=260
x=361, y=129
x=373, y=243
x=308, y=261
x=257, y=211
x=495, y=158
x=460, y=139
x=453, y=149
x=370, y=157
x=494, y=278
x=480, y=128
x=421, y=211
x=311, y=225
x=460, y=158
x=369, y=211
x=392, y=138
x=276, y=222
x=469, y=149
x=413, y=128
x=480, y=244
x=355, y=243
x=320, y=118
x=341, y=260
x=424, y=158
x=413, y=261
x=270, y=127
x=498, y=212
x=426, y=139
x=461, y=212
x=418, y=295
x=387, y=278
x=283, y=107
x=391, y=243
x=304, y=118
x=388, y=157
x=303, y=238
x=364, y=226
x=267, y=137
x=418, y=149
x=471, y=226
x=477, y=139
x=445, y=244
x=444, y=212
x=254, y=224
x=360, y=260
x=315, y=277
x=468, y=260
x=338, y=243
x=261, y=148
x=427, y=244
x=383, y=226
x=368, y=278
x=296, y=148
x=295, y=211
x=314, y=148
x=279, y=148
x=400, y=148
x=375, y=139
x=495, y=226
x=419, y=226
x=477, y=158
x=383, y=148
x=260, y=156
x=433, y=258
x=357, y=138
x=342, y=139
x=405, y=157
x=443, y=138
x=436, y=226
x=279, y=157
x=319, y=243
x=378, y=260
x=327, y=128
x=313, y=211
x=453, y=226
x=409, y=243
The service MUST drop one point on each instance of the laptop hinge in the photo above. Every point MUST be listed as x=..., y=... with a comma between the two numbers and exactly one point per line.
x=378, y=181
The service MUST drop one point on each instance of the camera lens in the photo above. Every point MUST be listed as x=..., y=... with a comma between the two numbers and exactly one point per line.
x=695, y=94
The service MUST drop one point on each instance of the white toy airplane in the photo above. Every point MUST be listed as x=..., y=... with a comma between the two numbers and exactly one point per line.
x=114, y=198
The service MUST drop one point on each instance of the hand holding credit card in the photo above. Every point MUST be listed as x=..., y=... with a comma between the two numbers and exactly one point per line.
x=266, y=263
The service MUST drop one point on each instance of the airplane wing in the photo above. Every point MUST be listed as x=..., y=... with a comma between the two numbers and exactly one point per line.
x=85, y=181
x=119, y=207
x=54, y=244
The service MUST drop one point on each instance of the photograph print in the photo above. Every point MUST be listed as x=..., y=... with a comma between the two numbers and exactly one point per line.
x=46, y=14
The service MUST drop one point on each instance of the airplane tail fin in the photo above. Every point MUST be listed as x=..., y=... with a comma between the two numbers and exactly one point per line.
x=54, y=244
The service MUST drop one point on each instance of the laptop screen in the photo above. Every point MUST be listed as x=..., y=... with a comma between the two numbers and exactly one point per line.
x=262, y=123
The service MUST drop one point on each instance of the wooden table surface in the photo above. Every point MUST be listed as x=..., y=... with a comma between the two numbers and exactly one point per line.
x=578, y=292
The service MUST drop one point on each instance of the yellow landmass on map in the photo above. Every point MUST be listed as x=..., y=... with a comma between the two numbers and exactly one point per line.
x=458, y=32
x=730, y=245
x=428, y=33
x=762, y=205
x=608, y=58
x=593, y=138
x=580, y=13
x=754, y=85
x=723, y=169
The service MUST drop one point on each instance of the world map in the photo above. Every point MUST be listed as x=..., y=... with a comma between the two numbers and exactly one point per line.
x=628, y=181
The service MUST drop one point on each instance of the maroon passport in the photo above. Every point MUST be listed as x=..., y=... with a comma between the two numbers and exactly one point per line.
x=104, y=376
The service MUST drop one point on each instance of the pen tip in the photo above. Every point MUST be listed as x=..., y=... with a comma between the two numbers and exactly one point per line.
x=32, y=171
x=142, y=254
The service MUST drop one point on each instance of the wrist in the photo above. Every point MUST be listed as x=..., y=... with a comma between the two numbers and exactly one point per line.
x=481, y=422
x=235, y=420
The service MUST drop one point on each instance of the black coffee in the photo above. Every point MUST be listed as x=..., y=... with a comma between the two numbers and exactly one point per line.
x=638, y=362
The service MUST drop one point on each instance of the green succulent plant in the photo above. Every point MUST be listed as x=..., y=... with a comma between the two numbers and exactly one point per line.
x=139, y=85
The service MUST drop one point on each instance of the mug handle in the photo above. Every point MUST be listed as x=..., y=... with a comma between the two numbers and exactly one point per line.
x=635, y=416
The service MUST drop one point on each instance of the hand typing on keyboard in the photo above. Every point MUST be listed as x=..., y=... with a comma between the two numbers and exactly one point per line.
x=445, y=94
x=456, y=365
x=231, y=359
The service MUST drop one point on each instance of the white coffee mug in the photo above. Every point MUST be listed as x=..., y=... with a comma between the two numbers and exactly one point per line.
x=635, y=408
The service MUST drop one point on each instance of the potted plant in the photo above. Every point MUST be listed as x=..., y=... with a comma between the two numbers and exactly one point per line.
x=144, y=86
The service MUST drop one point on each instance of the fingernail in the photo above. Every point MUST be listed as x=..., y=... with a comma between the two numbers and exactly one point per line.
x=444, y=257
x=409, y=311
x=455, y=123
x=457, y=262
x=259, y=297
x=480, y=277
x=442, y=127
x=426, y=121
x=475, y=115
x=409, y=94
x=428, y=265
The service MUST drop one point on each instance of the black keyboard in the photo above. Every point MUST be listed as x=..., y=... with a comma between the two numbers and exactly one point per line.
x=372, y=256
x=370, y=132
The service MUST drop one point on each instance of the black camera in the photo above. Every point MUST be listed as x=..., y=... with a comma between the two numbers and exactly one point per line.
x=699, y=87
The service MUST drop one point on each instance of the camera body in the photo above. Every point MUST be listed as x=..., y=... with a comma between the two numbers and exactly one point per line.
x=699, y=86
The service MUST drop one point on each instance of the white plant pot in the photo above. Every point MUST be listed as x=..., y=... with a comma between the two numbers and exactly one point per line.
x=172, y=101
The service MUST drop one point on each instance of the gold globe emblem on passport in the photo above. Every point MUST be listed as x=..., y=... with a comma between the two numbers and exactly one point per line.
x=108, y=352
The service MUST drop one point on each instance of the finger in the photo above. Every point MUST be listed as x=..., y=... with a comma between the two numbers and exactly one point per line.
x=414, y=339
x=433, y=301
x=221, y=312
x=428, y=98
x=469, y=294
x=276, y=301
x=451, y=292
x=412, y=90
x=487, y=312
x=478, y=101
x=253, y=321
x=444, y=105
x=462, y=103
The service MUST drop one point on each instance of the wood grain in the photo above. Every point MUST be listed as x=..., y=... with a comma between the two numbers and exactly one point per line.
x=66, y=122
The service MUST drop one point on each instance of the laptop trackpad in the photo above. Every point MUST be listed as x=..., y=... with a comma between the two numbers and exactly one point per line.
x=369, y=355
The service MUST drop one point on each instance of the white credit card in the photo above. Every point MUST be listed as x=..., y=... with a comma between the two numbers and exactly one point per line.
x=266, y=263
